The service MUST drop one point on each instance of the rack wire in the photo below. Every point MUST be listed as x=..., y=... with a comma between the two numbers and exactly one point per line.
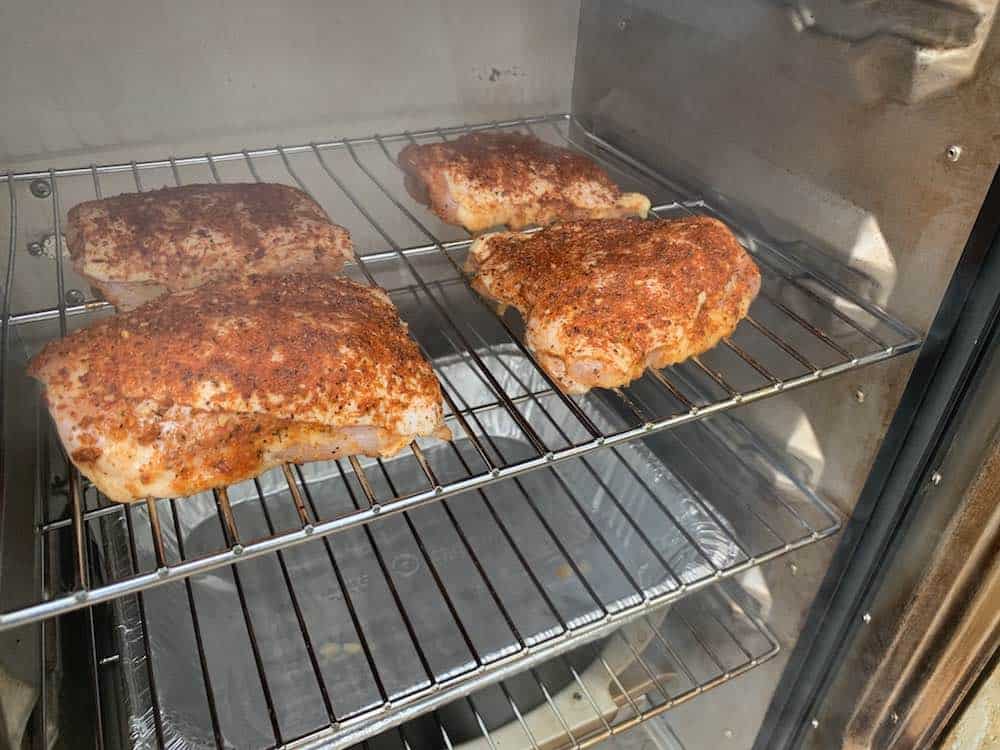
x=804, y=327
x=396, y=619
x=576, y=699
x=721, y=641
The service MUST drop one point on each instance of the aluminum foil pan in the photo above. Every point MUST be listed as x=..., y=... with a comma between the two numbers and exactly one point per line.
x=611, y=487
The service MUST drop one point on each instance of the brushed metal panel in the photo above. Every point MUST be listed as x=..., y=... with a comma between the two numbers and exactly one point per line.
x=834, y=146
x=136, y=79
x=729, y=95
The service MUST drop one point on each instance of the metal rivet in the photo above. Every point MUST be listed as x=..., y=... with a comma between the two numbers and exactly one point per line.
x=623, y=24
x=40, y=188
x=35, y=248
x=936, y=478
x=728, y=734
x=953, y=152
x=859, y=396
x=81, y=596
x=162, y=572
x=793, y=568
x=309, y=529
x=815, y=723
x=867, y=617
x=74, y=297
x=237, y=549
x=376, y=508
x=894, y=717
x=802, y=18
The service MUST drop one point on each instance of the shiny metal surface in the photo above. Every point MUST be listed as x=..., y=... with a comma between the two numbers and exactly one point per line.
x=947, y=634
x=745, y=108
x=806, y=327
x=209, y=75
x=933, y=605
x=839, y=150
x=900, y=50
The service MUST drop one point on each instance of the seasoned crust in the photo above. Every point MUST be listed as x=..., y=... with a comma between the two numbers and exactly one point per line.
x=604, y=299
x=205, y=387
x=481, y=180
x=178, y=238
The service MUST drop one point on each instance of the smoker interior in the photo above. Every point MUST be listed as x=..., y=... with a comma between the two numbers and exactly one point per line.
x=804, y=328
x=567, y=529
x=555, y=575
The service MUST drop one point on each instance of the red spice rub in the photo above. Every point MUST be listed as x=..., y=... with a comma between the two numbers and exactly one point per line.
x=605, y=299
x=203, y=387
x=482, y=180
x=136, y=246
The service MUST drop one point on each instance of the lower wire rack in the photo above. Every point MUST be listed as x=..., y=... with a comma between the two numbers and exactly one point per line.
x=266, y=697
x=350, y=634
x=507, y=417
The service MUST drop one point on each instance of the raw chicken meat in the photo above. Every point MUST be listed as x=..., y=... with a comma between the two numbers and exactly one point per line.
x=211, y=386
x=604, y=299
x=483, y=180
x=137, y=246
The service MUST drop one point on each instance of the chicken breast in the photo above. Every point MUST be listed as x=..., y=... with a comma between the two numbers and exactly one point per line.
x=483, y=180
x=137, y=246
x=211, y=386
x=603, y=300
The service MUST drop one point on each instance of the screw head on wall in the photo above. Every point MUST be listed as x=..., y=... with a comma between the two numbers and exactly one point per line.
x=40, y=188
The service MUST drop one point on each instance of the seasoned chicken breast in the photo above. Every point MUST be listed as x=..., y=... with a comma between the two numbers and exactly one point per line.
x=483, y=180
x=137, y=246
x=210, y=386
x=603, y=300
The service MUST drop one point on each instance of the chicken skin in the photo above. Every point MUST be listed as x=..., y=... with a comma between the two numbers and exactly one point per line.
x=604, y=299
x=136, y=246
x=483, y=180
x=214, y=385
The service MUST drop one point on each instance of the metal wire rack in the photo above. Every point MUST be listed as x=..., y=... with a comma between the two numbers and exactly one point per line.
x=391, y=620
x=804, y=327
x=577, y=699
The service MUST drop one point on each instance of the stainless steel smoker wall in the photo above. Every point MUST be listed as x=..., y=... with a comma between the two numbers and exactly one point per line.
x=133, y=79
x=842, y=130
